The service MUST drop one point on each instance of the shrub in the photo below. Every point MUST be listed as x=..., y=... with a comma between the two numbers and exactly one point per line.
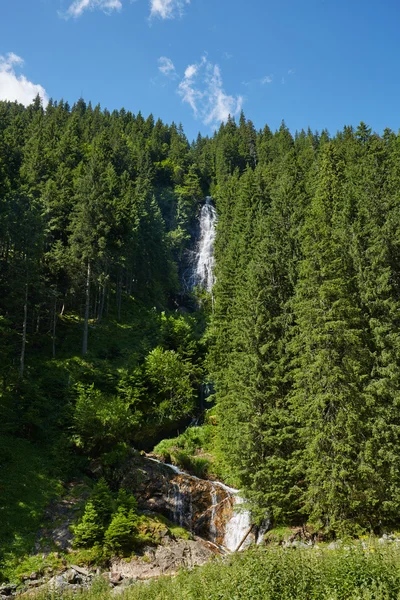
x=90, y=530
x=121, y=535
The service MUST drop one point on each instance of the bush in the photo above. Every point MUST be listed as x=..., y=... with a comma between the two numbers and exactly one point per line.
x=90, y=530
x=121, y=535
x=96, y=517
x=101, y=420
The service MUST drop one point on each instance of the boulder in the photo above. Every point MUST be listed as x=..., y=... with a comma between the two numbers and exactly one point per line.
x=8, y=589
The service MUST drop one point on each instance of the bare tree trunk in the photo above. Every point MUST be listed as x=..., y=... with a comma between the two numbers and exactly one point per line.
x=102, y=301
x=244, y=539
x=24, y=327
x=119, y=297
x=87, y=308
x=108, y=301
x=53, y=337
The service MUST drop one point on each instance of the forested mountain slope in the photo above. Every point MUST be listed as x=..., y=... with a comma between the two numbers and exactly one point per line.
x=103, y=347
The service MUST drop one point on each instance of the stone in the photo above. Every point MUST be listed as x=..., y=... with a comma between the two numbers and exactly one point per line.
x=201, y=506
x=58, y=583
x=73, y=577
x=34, y=576
x=81, y=570
x=167, y=560
x=8, y=589
x=115, y=578
x=34, y=583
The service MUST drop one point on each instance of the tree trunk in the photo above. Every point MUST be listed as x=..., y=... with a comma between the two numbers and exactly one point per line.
x=53, y=337
x=244, y=539
x=102, y=301
x=87, y=308
x=119, y=297
x=24, y=327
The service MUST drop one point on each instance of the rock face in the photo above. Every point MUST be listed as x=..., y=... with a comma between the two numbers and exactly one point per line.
x=164, y=560
x=204, y=507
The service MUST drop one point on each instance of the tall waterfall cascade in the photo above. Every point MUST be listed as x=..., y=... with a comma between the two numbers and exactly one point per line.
x=203, y=263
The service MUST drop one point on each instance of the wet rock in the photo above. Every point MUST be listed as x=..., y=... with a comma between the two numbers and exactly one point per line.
x=203, y=507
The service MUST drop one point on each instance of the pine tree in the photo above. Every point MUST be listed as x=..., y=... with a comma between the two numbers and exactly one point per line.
x=331, y=361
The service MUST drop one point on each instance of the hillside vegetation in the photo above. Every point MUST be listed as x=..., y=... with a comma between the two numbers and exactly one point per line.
x=104, y=345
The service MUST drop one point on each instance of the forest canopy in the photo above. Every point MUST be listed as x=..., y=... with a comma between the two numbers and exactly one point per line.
x=103, y=346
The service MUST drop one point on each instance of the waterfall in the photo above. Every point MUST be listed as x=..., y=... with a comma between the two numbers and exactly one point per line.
x=203, y=268
x=237, y=528
x=214, y=502
x=215, y=517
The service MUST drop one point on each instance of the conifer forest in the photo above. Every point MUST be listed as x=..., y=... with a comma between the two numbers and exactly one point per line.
x=287, y=367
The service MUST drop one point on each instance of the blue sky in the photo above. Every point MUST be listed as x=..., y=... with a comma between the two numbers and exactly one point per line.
x=310, y=62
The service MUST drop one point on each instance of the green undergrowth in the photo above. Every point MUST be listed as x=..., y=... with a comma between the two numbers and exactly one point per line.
x=27, y=485
x=277, y=574
x=196, y=451
x=190, y=450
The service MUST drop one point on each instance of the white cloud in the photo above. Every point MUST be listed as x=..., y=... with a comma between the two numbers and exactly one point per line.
x=167, y=9
x=167, y=67
x=78, y=7
x=202, y=88
x=17, y=87
x=266, y=79
x=164, y=9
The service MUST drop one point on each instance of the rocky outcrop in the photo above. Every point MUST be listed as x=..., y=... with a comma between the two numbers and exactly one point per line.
x=206, y=508
x=164, y=560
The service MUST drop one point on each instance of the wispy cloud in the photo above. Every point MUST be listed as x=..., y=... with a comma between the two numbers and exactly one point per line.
x=202, y=88
x=167, y=9
x=17, y=87
x=167, y=67
x=78, y=7
x=291, y=72
x=266, y=79
x=163, y=9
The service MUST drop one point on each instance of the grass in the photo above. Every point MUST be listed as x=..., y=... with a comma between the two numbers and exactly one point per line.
x=274, y=573
x=26, y=488
x=190, y=450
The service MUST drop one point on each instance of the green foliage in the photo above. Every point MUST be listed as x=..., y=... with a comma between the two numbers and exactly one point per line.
x=97, y=514
x=172, y=382
x=100, y=420
x=90, y=530
x=121, y=534
x=346, y=574
x=27, y=486
x=192, y=450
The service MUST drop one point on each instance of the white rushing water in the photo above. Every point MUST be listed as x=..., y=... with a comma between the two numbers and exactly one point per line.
x=214, y=502
x=237, y=526
x=203, y=274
